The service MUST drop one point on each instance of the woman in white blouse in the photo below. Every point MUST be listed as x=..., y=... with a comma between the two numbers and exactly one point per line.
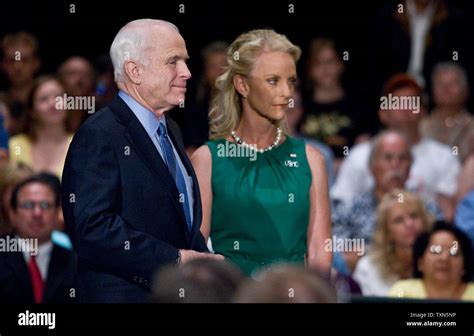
x=401, y=217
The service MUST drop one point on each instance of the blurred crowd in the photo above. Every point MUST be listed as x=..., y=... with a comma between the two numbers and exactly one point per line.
x=401, y=186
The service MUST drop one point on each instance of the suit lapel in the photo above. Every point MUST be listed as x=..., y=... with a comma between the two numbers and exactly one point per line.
x=143, y=145
x=55, y=273
x=20, y=269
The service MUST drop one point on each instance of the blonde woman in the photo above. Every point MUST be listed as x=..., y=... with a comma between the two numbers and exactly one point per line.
x=401, y=217
x=264, y=193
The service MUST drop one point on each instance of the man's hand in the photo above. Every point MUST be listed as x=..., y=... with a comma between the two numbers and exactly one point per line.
x=188, y=255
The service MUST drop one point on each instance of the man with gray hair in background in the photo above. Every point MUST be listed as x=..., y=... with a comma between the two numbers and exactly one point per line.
x=130, y=196
x=390, y=160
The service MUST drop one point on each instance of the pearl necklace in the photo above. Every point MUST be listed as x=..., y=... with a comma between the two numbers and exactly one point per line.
x=262, y=150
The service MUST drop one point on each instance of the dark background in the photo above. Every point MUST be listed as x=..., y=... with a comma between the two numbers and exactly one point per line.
x=90, y=30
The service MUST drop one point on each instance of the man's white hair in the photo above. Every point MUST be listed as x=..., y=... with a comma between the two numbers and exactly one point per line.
x=130, y=43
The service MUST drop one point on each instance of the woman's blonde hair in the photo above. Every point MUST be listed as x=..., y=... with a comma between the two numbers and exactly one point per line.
x=226, y=107
x=383, y=249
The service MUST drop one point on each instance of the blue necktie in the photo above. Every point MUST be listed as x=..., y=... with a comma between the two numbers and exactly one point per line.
x=174, y=169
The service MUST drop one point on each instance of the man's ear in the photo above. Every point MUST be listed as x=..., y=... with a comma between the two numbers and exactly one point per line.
x=241, y=85
x=133, y=71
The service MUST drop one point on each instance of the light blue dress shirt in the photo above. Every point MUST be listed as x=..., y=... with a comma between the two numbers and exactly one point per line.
x=150, y=122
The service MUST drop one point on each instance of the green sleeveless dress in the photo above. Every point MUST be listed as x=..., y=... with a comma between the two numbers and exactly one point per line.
x=260, y=208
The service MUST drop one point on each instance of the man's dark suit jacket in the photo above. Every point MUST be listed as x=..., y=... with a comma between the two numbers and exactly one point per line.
x=121, y=206
x=60, y=285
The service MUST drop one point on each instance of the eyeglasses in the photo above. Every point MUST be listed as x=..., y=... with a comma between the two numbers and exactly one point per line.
x=438, y=249
x=30, y=205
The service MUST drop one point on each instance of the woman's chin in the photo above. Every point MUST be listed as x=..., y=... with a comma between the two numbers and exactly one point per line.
x=277, y=117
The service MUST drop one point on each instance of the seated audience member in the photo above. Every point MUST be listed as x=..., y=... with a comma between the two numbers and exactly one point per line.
x=199, y=281
x=45, y=139
x=20, y=63
x=293, y=117
x=389, y=161
x=330, y=112
x=401, y=217
x=44, y=273
x=286, y=284
x=434, y=168
x=77, y=75
x=450, y=122
x=10, y=175
x=442, y=261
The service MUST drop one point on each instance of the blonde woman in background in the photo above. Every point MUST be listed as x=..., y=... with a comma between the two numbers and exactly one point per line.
x=401, y=217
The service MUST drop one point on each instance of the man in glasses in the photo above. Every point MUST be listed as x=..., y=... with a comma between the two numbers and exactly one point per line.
x=34, y=269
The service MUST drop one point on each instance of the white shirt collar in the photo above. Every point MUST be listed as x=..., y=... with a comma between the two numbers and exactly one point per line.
x=42, y=258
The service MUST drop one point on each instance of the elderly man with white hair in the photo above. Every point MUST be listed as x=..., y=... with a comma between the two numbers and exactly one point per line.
x=130, y=196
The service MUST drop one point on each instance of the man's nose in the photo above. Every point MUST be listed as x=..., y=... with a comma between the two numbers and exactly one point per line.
x=37, y=211
x=184, y=72
x=395, y=161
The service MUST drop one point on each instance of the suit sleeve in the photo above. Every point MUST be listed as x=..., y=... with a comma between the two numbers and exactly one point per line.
x=91, y=198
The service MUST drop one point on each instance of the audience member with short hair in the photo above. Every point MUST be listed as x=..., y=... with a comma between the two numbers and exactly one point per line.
x=286, y=284
x=442, y=261
x=44, y=273
x=199, y=281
